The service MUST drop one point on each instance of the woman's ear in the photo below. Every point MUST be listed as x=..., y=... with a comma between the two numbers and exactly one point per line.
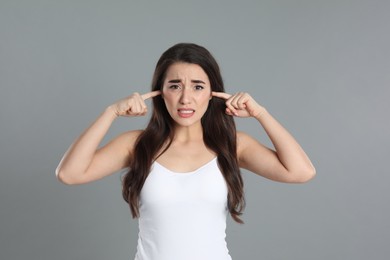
x=162, y=94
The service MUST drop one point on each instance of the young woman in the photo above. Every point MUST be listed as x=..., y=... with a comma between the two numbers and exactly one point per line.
x=184, y=168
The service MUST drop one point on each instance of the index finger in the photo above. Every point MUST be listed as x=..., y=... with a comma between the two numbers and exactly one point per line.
x=221, y=95
x=151, y=94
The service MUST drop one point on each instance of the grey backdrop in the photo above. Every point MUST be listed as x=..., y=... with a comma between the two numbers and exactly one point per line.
x=320, y=67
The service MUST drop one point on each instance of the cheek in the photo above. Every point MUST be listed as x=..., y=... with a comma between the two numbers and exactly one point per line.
x=168, y=97
x=204, y=97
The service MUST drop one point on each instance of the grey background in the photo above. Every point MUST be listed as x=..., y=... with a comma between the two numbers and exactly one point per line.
x=320, y=67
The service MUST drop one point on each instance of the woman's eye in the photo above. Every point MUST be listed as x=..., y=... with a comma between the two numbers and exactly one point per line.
x=199, y=87
x=173, y=87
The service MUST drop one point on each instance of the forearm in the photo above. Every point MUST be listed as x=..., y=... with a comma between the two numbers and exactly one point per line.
x=78, y=157
x=289, y=152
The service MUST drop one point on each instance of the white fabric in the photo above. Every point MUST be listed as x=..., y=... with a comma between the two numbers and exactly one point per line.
x=183, y=215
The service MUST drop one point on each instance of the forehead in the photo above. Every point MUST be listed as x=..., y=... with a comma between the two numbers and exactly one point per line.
x=190, y=71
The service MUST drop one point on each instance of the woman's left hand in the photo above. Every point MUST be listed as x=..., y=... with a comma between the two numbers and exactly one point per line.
x=240, y=104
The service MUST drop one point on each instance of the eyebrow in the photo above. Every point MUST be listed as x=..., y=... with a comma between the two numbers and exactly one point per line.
x=193, y=81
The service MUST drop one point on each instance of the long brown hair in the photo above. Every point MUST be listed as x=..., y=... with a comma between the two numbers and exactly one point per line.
x=219, y=131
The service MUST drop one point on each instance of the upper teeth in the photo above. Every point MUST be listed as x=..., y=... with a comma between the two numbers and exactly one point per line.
x=186, y=111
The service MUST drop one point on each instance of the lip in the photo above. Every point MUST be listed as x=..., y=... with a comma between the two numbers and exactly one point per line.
x=186, y=112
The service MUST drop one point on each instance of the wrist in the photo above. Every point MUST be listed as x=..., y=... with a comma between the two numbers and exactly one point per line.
x=112, y=112
x=260, y=113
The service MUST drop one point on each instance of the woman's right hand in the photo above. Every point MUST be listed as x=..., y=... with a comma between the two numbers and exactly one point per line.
x=133, y=105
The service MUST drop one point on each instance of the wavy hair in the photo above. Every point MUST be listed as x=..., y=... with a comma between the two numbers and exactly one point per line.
x=219, y=131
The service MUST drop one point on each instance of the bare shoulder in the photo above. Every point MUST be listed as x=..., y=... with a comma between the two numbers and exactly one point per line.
x=241, y=135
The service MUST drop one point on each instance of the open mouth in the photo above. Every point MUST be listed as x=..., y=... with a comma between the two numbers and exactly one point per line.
x=185, y=112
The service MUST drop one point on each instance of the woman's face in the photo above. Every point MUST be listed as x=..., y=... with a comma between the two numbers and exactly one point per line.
x=186, y=92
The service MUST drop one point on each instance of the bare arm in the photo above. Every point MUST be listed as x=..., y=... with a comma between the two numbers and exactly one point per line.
x=84, y=162
x=287, y=163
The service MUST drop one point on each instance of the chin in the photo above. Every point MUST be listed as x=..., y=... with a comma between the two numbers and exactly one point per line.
x=186, y=122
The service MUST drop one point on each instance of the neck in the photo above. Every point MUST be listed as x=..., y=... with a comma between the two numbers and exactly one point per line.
x=188, y=133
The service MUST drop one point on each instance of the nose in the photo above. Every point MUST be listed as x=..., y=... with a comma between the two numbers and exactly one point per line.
x=185, y=97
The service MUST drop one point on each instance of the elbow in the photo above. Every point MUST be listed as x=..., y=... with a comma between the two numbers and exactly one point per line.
x=307, y=175
x=64, y=178
x=60, y=176
x=303, y=176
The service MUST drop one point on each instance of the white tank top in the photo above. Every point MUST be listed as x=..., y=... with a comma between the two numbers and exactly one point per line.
x=183, y=215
